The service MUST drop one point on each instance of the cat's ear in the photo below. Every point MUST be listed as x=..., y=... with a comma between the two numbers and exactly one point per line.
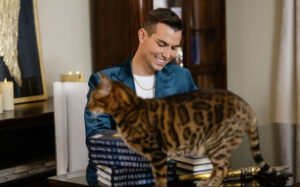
x=105, y=85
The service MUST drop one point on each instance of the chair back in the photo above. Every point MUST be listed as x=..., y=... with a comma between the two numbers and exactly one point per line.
x=69, y=103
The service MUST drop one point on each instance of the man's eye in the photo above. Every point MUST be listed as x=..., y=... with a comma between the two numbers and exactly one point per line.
x=161, y=44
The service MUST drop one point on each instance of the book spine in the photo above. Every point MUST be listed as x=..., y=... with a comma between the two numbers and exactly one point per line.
x=120, y=170
x=193, y=162
x=111, y=150
x=138, y=182
x=134, y=183
x=130, y=158
x=132, y=176
x=101, y=142
x=181, y=171
x=121, y=163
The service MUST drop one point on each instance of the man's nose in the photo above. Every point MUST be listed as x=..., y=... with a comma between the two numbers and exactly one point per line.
x=167, y=53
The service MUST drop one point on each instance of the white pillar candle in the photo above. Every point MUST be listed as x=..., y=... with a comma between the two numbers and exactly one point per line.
x=1, y=105
x=7, y=91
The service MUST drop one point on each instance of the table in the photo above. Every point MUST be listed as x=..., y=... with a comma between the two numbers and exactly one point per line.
x=270, y=137
x=27, y=133
x=74, y=179
x=27, y=141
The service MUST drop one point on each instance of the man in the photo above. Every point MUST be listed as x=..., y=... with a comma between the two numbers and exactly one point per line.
x=148, y=71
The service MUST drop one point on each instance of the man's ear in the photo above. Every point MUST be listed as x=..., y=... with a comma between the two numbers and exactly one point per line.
x=142, y=34
x=105, y=85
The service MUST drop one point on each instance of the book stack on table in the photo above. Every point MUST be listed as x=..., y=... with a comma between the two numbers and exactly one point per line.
x=124, y=176
x=118, y=165
x=192, y=165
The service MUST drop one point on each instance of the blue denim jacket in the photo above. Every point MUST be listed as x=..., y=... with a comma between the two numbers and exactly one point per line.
x=171, y=80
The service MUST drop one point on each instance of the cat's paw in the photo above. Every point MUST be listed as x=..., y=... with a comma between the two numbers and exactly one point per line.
x=201, y=184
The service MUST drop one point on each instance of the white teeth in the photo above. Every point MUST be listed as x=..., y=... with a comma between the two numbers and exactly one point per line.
x=162, y=61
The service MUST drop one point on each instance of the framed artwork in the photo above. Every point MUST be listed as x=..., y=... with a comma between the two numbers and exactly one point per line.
x=21, y=58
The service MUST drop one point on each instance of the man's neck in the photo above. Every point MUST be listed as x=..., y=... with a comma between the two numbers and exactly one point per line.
x=140, y=67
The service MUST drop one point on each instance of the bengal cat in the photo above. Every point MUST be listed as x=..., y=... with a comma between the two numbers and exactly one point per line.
x=210, y=122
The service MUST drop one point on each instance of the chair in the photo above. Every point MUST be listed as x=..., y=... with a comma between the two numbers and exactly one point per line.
x=69, y=104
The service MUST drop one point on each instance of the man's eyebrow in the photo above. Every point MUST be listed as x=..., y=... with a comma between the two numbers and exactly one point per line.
x=162, y=41
x=159, y=40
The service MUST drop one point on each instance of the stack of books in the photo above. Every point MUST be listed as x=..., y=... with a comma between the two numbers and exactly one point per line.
x=124, y=176
x=192, y=165
x=118, y=165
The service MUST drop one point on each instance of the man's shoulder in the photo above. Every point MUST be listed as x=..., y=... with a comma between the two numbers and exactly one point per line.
x=114, y=70
x=111, y=70
x=173, y=68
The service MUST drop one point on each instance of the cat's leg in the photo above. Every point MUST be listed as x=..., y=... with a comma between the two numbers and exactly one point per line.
x=219, y=154
x=219, y=172
x=159, y=168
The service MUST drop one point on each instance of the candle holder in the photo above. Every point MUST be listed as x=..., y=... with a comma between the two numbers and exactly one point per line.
x=71, y=77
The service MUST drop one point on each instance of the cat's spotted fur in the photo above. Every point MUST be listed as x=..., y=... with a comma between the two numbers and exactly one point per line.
x=210, y=122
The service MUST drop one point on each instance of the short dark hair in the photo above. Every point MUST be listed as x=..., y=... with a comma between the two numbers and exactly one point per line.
x=162, y=15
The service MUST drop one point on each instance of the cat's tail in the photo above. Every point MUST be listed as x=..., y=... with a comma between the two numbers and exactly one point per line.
x=266, y=171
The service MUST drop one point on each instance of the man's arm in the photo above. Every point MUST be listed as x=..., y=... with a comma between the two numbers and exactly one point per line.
x=95, y=124
x=190, y=82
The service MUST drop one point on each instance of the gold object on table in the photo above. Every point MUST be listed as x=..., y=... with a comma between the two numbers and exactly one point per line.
x=72, y=77
x=242, y=172
x=238, y=183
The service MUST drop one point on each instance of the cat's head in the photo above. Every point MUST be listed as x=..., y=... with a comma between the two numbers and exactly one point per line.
x=110, y=97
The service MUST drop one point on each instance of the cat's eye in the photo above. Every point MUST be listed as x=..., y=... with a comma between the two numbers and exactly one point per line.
x=101, y=104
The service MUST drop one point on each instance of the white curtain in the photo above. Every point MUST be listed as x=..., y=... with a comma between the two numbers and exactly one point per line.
x=287, y=93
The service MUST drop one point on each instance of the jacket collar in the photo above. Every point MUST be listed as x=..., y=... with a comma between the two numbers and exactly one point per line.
x=164, y=78
x=125, y=74
x=164, y=82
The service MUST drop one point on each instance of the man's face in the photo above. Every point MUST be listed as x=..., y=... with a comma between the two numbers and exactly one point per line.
x=161, y=47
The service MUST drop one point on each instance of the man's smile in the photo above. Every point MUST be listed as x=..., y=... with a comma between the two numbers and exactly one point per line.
x=160, y=62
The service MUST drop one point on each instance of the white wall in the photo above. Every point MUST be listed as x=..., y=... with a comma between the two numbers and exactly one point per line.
x=252, y=41
x=65, y=38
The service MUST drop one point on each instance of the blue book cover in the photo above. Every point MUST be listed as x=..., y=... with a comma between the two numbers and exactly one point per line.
x=147, y=174
x=137, y=182
x=194, y=168
x=114, y=170
x=121, y=163
x=109, y=150
x=119, y=157
x=110, y=138
x=181, y=171
x=115, y=174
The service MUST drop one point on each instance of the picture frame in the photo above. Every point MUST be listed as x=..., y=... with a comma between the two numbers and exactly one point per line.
x=30, y=59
